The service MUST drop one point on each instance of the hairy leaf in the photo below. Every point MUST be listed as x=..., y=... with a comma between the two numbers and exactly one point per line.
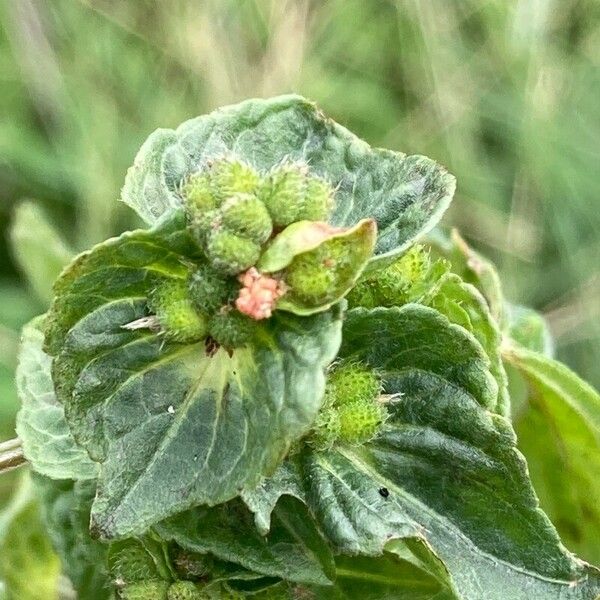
x=559, y=433
x=66, y=514
x=293, y=550
x=464, y=305
x=175, y=425
x=443, y=469
x=41, y=425
x=405, y=194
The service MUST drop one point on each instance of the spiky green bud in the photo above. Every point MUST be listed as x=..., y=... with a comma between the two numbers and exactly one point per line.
x=309, y=277
x=231, y=253
x=184, y=590
x=201, y=225
x=129, y=562
x=145, y=590
x=327, y=428
x=198, y=194
x=209, y=290
x=360, y=421
x=231, y=329
x=395, y=284
x=229, y=176
x=317, y=201
x=283, y=193
x=179, y=321
x=247, y=216
x=353, y=382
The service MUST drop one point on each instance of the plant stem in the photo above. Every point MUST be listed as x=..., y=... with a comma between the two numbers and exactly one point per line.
x=11, y=455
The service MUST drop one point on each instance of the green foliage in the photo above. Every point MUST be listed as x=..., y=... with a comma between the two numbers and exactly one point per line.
x=65, y=513
x=40, y=251
x=559, y=431
x=29, y=567
x=177, y=316
x=41, y=425
x=395, y=469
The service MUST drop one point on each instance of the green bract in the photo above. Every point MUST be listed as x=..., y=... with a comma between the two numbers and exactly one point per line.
x=273, y=393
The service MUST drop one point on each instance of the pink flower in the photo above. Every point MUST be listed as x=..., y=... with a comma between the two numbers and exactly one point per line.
x=259, y=294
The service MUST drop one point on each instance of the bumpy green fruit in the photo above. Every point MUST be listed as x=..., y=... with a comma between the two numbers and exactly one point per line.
x=198, y=194
x=247, y=216
x=146, y=590
x=353, y=382
x=327, y=428
x=209, y=291
x=184, y=590
x=231, y=253
x=129, y=562
x=202, y=224
x=231, y=329
x=318, y=200
x=283, y=193
x=309, y=279
x=229, y=176
x=392, y=285
x=360, y=421
x=178, y=318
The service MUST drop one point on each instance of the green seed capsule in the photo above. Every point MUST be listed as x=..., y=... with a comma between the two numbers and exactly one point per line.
x=209, y=291
x=360, y=421
x=231, y=253
x=318, y=200
x=229, y=177
x=283, y=194
x=184, y=590
x=178, y=318
x=231, y=329
x=247, y=216
x=327, y=428
x=353, y=382
x=129, y=562
x=198, y=195
x=146, y=590
x=309, y=279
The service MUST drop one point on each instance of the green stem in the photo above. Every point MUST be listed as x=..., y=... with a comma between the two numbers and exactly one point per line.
x=11, y=455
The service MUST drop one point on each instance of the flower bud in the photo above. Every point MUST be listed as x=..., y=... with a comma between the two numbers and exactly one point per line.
x=198, y=195
x=318, y=200
x=283, y=193
x=208, y=290
x=360, y=421
x=231, y=253
x=184, y=590
x=231, y=329
x=179, y=320
x=351, y=382
x=145, y=590
x=247, y=216
x=229, y=176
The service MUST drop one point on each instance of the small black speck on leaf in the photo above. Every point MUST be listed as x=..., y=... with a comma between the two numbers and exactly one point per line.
x=384, y=492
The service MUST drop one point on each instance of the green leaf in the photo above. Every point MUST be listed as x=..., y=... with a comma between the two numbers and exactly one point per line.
x=38, y=248
x=175, y=425
x=293, y=550
x=386, y=577
x=66, y=514
x=559, y=433
x=320, y=263
x=41, y=424
x=405, y=194
x=444, y=469
x=28, y=566
x=420, y=337
x=529, y=329
x=472, y=268
x=464, y=305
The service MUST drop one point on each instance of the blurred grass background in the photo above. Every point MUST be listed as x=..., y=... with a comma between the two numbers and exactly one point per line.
x=505, y=93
